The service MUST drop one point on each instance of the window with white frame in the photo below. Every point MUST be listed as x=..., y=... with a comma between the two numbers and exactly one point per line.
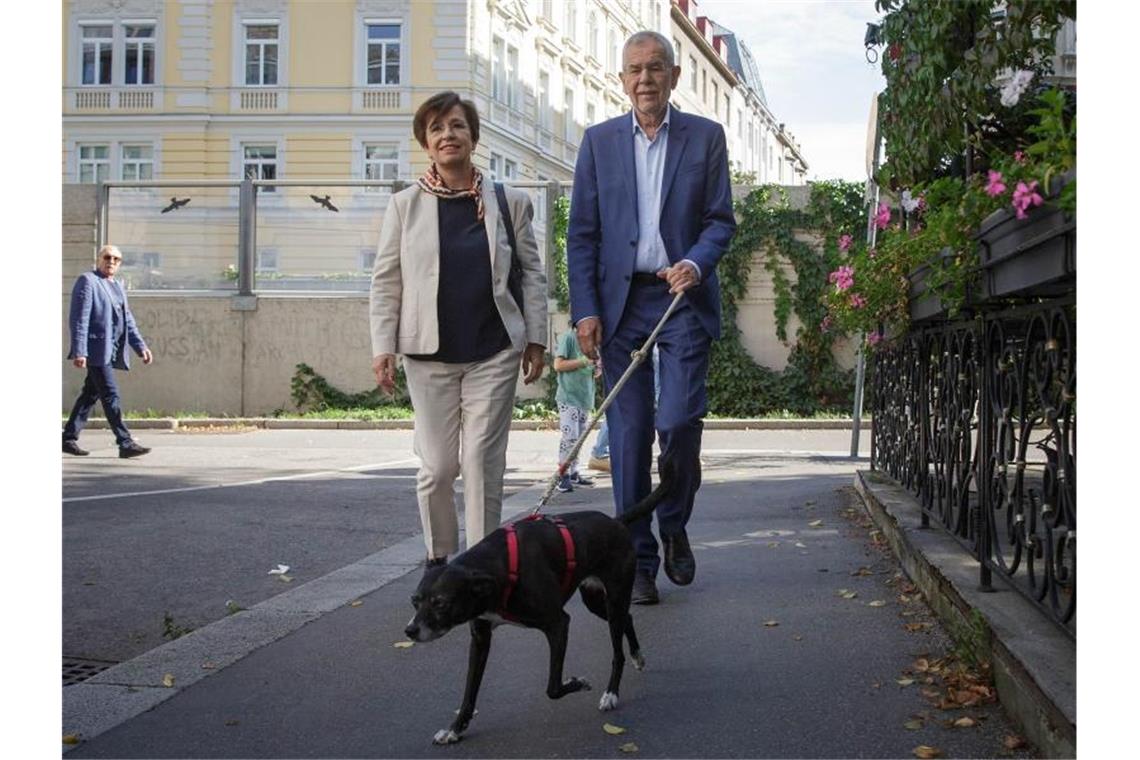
x=740, y=124
x=615, y=52
x=136, y=162
x=542, y=102
x=366, y=259
x=504, y=73
x=540, y=200
x=496, y=166
x=676, y=50
x=704, y=86
x=569, y=128
x=571, y=20
x=692, y=74
x=381, y=161
x=261, y=54
x=94, y=163
x=259, y=162
x=592, y=34
x=548, y=9
x=591, y=114
x=716, y=99
x=383, y=60
x=266, y=261
x=98, y=41
x=510, y=170
x=138, y=50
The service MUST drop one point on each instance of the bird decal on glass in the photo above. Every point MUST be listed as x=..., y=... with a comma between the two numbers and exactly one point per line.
x=324, y=202
x=176, y=204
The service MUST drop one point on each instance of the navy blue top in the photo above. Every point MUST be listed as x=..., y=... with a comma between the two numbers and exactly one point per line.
x=470, y=328
x=119, y=319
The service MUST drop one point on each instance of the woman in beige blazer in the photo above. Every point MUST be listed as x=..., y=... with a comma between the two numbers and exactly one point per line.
x=440, y=298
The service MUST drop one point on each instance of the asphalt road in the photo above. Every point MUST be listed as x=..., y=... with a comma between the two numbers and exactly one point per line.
x=763, y=656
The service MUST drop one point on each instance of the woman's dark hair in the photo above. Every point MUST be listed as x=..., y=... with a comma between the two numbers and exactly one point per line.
x=441, y=103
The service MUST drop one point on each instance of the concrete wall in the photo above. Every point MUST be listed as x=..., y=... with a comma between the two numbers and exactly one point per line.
x=212, y=355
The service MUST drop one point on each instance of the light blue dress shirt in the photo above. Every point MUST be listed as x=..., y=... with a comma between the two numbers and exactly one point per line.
x=649, y=172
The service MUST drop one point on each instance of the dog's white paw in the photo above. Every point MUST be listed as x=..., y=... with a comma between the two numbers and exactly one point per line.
x=609, y=701
x=638, y=661
x=446, y=736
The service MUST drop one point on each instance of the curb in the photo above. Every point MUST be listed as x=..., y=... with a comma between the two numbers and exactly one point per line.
x=274, y=423
x=1034, y=662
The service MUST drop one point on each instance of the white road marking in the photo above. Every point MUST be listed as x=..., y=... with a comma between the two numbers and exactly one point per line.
x=259, y=481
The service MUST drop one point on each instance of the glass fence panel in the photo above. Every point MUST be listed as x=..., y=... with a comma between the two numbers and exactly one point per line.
x=175, y=238
x=317, y=238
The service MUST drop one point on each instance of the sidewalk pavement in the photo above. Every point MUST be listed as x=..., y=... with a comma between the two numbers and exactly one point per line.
x=797, y=639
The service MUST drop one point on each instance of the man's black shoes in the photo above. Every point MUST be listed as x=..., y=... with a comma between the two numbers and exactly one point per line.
x=644, y=589
x=680, y=566
x=131, y=450
x=71, y=447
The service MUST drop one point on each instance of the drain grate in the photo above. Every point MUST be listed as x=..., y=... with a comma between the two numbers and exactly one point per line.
x=77, y=669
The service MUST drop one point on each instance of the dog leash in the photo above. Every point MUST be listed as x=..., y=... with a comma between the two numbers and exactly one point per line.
x=637, y=356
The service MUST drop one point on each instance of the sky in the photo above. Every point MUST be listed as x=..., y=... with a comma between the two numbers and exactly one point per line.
x=815, y=73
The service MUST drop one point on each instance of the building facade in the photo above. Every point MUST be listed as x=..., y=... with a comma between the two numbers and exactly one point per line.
x=212, y=90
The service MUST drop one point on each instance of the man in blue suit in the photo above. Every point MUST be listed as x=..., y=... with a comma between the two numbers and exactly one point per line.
x=101, y=328
x=650, y=216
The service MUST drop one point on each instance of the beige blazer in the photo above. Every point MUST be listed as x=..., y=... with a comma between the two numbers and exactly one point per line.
x=405, y=277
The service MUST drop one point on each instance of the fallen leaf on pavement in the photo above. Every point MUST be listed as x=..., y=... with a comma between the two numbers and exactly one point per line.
x=771, y=623
x=208, y=666
x=965, y=723
x=923, y=751
x=922, y=665
x=403, y=644
x=1013, y=741
x=285, y=578
x=628, y=747
x=611, y=729
x=168, y=680
x=848, y=594
x=357, y=603
x=915, y=627
x=913, y=725
x=877, y=603
x=797, y=637
x=861, y=571
x=71, y=738
x=815, y=523
x=904, y=681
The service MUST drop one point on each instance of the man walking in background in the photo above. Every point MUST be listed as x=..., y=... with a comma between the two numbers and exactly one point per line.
x=101, y=328
x=650, y=217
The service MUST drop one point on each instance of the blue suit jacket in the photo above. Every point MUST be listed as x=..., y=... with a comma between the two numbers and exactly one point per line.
x=696, y=216
x=92, y=323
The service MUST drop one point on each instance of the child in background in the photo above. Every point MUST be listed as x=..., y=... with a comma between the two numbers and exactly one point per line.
x=575, y=397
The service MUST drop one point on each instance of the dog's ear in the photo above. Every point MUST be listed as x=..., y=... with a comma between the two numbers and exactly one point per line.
x=484, y=588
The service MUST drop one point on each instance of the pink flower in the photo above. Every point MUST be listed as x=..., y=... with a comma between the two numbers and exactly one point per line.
x=871, y=253
x=844, y=277
x=825, y=323
x=1025, y=196
x=845, y=242
x=994, y=185
x=883, y=217
x=856, y=301
x=1019, y=156
x=874, y=338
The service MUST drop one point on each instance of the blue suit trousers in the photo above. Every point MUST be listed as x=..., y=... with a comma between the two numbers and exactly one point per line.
x=678, y=419
x=99, y=386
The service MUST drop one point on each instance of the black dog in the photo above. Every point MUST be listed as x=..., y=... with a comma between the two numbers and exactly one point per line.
x=524, y=573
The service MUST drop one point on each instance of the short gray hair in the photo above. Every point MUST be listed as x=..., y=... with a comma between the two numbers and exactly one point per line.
x=645, y=35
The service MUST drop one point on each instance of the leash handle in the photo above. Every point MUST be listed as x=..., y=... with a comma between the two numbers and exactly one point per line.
x=638, y=356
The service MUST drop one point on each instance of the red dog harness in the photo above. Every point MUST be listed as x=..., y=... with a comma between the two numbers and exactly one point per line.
x=513, y=560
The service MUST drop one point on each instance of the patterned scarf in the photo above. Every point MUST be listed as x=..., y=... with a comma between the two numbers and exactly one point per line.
x=432, y=183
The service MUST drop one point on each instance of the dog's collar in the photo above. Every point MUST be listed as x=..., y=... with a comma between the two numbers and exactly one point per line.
x=513, y=561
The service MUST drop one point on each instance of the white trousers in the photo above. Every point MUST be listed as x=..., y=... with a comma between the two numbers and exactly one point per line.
x=462, y=420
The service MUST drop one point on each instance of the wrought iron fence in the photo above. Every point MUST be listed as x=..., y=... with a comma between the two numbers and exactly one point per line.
x=256, y=237
x=977, y=418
